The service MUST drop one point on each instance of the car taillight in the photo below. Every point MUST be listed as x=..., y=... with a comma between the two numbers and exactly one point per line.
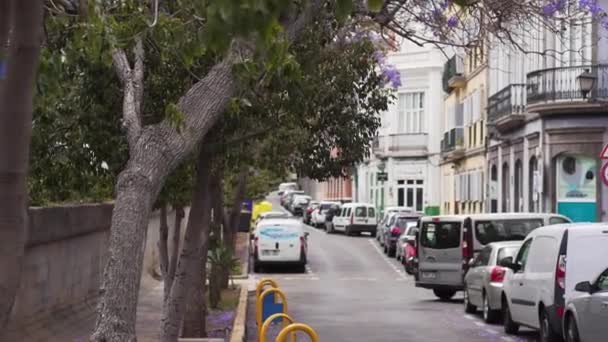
x=560, y=272
x=395, y=231
x=497, y=275
x=466, y=251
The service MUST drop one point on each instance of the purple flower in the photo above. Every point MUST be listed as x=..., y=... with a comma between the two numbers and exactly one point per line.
x=379, y=57
x=453, y=21
x=553, y=7
x=392, y=75
x=591, y=6
x=444, y=5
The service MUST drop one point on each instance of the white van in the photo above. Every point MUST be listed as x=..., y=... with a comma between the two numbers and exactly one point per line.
x=355, y=218
x=548, y=266
x=280, y=241
x=447, y=243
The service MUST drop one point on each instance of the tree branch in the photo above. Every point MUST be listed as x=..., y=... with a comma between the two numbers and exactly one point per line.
x=138, y=76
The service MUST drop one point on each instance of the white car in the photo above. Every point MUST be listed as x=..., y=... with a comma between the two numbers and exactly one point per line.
x=280, y=241
x=317, y=217
x=550, y=263
x=355, y=218
x=287, y=186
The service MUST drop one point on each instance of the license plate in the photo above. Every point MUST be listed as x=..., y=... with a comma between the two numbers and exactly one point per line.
x=270, y=252
x=429, y=275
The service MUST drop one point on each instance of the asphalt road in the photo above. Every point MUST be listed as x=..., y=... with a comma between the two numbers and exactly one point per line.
x=351, y=291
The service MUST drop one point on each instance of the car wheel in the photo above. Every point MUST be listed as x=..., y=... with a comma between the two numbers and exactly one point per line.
x=444, y=295
x=347, y=231
x=391, y=252
x=572, y=330
x=468, y=307
x=385, y=250
x=510, y=327
x=489, y=315
x=256, y=267
x=546, y=332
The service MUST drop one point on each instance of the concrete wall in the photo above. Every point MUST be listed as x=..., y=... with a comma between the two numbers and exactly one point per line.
x=64, y=259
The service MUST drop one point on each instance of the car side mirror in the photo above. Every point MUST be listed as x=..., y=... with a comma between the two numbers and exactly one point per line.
x=471, y=262
x=584, y=286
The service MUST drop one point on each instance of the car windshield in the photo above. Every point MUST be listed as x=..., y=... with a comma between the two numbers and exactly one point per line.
x=440, y=235
x=505, y=252
x=325, y=206
x=405, y=222
x=505, y=230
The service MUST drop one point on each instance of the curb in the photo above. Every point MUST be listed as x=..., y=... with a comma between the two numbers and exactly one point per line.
x=240, y=319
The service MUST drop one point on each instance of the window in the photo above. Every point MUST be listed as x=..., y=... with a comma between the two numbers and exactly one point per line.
x=522, y=255
x=532, y=184
x=505, y=230
x=506, y=188
x=361, y=212
x=348, y=212
x=506, y=252
x=557, y=220
x=483, y=259
x=371, y=212
x=602, y=281
x=410, y=193
x=538, y=259
x=411, y=112
x=442, y=235
x=518, y=185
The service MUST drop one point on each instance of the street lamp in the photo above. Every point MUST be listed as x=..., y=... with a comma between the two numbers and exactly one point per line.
x=586, y=82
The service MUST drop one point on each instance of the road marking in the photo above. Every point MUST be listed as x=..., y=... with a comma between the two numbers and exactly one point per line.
x=358, y=279
x=491, y=331
x=375, y=246
x=507, y=338
x=469, y=317
x=479, y=324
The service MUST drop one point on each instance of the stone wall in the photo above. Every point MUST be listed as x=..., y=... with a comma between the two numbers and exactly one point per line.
x=64, y=259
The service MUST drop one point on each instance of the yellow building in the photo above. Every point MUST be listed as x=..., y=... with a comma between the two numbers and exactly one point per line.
x=463, y=144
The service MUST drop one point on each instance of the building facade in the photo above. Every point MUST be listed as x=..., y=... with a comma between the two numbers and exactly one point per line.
x=407, y=146
x=546, y=133
x=463, y=142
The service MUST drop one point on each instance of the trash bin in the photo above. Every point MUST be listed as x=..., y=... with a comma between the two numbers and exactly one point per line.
x=244, y=220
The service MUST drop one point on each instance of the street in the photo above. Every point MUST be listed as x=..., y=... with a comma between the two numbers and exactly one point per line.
x=353, y=292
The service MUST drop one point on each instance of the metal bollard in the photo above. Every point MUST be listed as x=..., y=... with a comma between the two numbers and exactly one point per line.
x=267, y=322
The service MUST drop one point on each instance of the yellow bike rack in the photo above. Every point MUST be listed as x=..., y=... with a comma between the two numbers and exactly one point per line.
x=262, y=283
x=258, y=309
x=292, y=328
x=269, y=320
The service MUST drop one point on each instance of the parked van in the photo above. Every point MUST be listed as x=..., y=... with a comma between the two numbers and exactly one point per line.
x=355, y=218
x=447, y=243
x=549, y=265
x=280, y=241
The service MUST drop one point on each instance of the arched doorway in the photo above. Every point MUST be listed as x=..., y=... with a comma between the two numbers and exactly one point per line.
x=505, y=187
x=518, y=188
x=533, y=185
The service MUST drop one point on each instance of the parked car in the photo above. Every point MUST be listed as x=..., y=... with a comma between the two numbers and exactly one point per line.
x=355, y=218
x=306, y=217
x=280, y=241
x=408, y=236
x=287, y=186
x=549, y=265
x=384, y=223
x=587, y=311
x=318, y=215
x=410, y=254
x=288, y=197
x=447, y=243
x=397, y=226
x=298, y=204
x=483, y=282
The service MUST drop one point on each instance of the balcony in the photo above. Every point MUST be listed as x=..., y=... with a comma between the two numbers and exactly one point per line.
x=557, y=90
x=506, y=108
x=408, y=144
x=453, y=74
x=452, y=144
x=401, y=145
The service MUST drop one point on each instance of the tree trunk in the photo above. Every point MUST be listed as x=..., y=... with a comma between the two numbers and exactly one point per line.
x=163, y=236
x=154, y=152
x=176, y=237
x=187, y=276
x=21, y=31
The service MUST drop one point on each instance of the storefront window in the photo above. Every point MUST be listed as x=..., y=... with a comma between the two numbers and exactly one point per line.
x=576, y=187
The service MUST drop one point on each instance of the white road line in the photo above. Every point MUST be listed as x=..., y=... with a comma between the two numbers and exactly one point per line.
x=479, y=324
x=377, y=249
x=491, y=331
x=507, y=338
x=469, y=317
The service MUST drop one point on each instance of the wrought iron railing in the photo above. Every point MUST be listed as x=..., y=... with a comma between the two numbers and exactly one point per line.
x=453, y=67
x=408, y=141
x=509, y=100
x=452, y=139
x=561, y=84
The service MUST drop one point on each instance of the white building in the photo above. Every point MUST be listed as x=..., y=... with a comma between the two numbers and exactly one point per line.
x=408, y=142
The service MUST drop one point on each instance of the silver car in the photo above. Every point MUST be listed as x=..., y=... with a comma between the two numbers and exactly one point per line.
x=483, y=281
x=587, y=315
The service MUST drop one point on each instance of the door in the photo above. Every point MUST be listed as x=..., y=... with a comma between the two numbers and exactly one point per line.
x=476, y=275
x=440, y=255
x=360, y=216
x=596, y=328
x=279, y=243
x=519, y=304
